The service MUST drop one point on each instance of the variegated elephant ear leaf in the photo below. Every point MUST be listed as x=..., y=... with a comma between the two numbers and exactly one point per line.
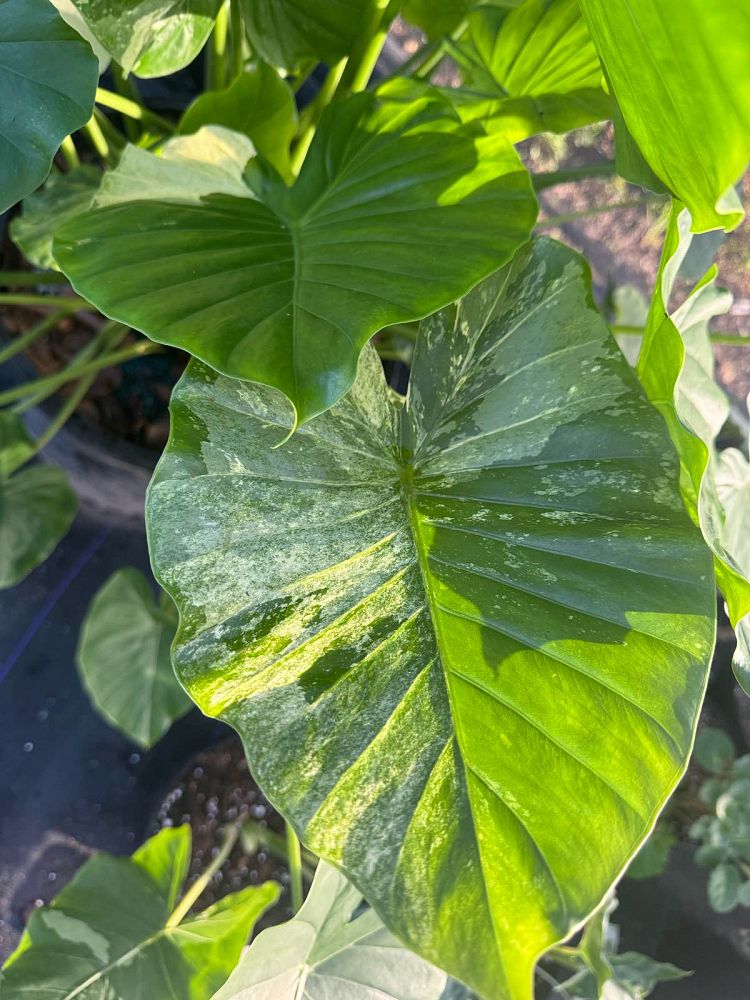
x=466, y=640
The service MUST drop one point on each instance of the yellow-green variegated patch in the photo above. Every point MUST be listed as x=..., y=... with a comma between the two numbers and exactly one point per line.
x=464, y=640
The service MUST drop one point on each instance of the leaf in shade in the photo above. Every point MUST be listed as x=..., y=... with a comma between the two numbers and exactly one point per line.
x=398, y=210
x=465, y=641
x=124, y=659
x=436, y=17
x=109, y=932
x=48, y=77
x=696, y=141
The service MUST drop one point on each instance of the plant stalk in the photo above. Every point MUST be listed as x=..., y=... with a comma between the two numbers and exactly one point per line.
x=20, y=278
x=604, y=168
x=69, y=152
x=311, y=115
x=294, y=862
x=131, y=109
x=733, y=339
x=560, y=220
x=98, y=140
x=19, y=344
x=238, y=38
x=428, y=67
x=366, y=49
x=198, y=887
x=68, y=302
x=216, y=53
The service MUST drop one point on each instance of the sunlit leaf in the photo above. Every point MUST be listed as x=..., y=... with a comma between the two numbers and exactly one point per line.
x=48, y=76
x=398, y=210
x=108, y=933
x=465, y=642
x=150, y=37
x=681, y=75
x=328, y=953
x=124, y=660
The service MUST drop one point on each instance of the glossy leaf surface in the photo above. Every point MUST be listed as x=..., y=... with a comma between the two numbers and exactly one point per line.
x=124, y=659
x=326, y=953
x=62, y=198
x=107, y=934
x=260, y=105
x=37, y=506
x=150, y=37
x=463, y=652
x=681, y=75
x=530, y=68
x=398, y=210
x=288, y=32
x=48, y=76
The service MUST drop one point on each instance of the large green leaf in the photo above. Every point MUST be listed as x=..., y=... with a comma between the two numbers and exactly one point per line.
x=436, y=17
x=108, y=933
x=398, y=210
x=326, y=953
x=676, y=368
x=150, y=37
x=48, y=78
x=464, y=653
x=530, y=67
x=124, y=659
x=37, y=506
x=681, y=75
x=260, y=105
x=288, y=32
x=62, y=198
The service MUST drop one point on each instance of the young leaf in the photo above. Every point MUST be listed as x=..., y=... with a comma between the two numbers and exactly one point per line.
x=258, y=104
x=714, y=750
x=150, y=37
x=530, y=68
x=37, y=506
x=124, y=659
x=48, y=77
x=697, y=143
x=723, y=888
x=288, y=32
x=108, y=933
x=16, y=446
x=462, y=655
x=398, y=210
x=63, y=197
x=325, y=952
x=676, y=369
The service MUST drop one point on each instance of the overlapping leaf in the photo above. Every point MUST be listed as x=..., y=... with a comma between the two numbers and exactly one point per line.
x=436, y=17
x=124, y=659
x=398, y=210
x=150, y=37
x=328, y=953
x=108, y=933
x=530, y=67
x=48, y=77
x=681, y=75
x=465, y=643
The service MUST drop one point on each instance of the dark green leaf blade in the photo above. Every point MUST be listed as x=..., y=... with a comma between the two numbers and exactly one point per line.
x=150, y=37
x=124, y=659
x=398, y=210
x=697, y=141
x=461, y=658
x=108, y=934
x=48, y=77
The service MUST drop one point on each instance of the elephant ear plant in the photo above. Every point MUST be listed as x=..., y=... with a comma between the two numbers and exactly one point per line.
x=465, y=634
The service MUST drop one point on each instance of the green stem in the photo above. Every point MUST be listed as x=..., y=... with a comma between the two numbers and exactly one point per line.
x=238, y=37
x=304, y=74
x=20, y=344
x=70, y=153
x=51, y=383
x=605, y=168
x=415, y=61
x=256, y=836
x=131, y=109
x=366, y=49
x=559, y=220
x=735, y=339
x=429, y=66
x=67, y=302
x=93, y=130
x=198, y=887
x=310, y=117
x=294, y=862
x=65, y=412
x=19, y=278
x=117, y=141
x=217, y=51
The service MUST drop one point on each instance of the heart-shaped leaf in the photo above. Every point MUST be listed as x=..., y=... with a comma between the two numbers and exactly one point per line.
x=150, y=37
x=258, y=104
x=398, y=210
x=530, y=68
x=48, y=77
x=37, y=506
x=288, y=32
x=465, y=642
x=327, y=953
x=109, y=933
x=124, y=659
x=655, y=54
